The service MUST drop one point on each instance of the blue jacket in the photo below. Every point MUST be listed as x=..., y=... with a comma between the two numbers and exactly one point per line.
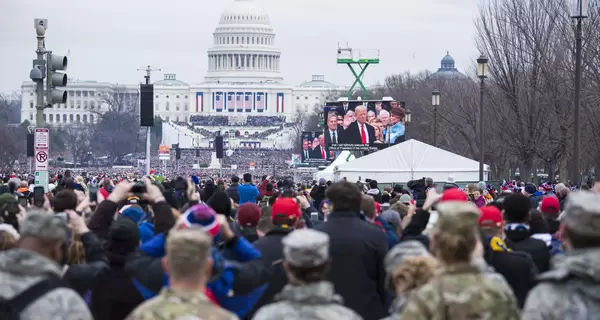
x=237, y=285
x=248, y=193
x=390, y=233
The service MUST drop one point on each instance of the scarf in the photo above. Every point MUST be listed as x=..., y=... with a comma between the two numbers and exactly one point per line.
x=497, y=244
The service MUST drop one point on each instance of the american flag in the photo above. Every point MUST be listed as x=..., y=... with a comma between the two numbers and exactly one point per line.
x=260, y=103
x=219, y=101
x=230, y=103
x=239, y=102
x=248, y=102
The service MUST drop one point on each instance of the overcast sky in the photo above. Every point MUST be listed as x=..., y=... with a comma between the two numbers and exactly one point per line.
x=109, y=40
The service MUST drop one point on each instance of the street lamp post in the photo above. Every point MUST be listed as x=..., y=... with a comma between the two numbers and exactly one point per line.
x=482, y=73
x=580, y=12
x=435, y=102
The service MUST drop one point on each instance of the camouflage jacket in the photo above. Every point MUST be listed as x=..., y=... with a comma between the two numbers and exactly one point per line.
x=397, y=306
x=316, y=301
x=21, y=269
x=461, y=292
x=571, y=290
x=177, y=304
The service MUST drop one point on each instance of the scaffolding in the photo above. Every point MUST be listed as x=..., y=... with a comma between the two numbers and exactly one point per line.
x=361, y=58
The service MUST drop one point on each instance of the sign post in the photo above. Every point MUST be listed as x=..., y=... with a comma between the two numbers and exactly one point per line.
x=41, y=158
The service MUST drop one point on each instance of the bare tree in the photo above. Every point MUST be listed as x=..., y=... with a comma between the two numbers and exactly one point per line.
x=10, y=107
x=79, y=141
x=117, y=131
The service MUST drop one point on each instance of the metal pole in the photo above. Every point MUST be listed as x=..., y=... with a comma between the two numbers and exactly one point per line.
x=39, y=115
x=435, y=134
x=481, y=92
x=148, y=137
x=576, y=174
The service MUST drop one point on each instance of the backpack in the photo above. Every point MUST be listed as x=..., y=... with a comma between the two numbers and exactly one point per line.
x=10, y=309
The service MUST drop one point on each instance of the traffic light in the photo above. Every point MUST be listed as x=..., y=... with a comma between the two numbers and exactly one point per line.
x=56, y=79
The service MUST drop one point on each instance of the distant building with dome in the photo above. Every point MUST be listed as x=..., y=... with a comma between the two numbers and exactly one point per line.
x=447, y=69
x=243, y=79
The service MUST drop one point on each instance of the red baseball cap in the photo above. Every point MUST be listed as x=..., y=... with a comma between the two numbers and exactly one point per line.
x=286, y=207
x=550, y=205
x=454, y=194
x=490, y=217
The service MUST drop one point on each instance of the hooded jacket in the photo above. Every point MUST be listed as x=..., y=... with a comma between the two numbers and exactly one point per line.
x=375, y=193
x=570, y=291
x=21, y=269
x=237, y=287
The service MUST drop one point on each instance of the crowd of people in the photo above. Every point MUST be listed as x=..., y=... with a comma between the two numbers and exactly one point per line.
x=126, y=246
x=224, y=121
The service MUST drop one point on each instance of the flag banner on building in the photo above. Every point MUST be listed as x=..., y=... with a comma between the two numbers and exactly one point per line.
x=248, y=101
x=230, y=103
x=239, y=101
x=260, y=101
x=199, y=102
x=218, y=101
x=280, y=102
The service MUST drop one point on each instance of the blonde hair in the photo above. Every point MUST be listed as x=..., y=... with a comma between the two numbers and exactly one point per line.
x=76, y=251
x=413, y=273
x=454, y=247
x=188, y=251
x=7, y=241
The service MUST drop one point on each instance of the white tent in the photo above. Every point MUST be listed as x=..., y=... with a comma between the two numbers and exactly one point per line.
x=410, y=160
x=327, y=173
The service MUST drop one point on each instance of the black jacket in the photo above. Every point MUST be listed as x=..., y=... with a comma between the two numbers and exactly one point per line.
x=82, y=277
x=115, y=296
x=416, y=226
x=318, y=195
x=516, y=267
x=520, y=240
x=232, y=192
x=352, y=134
x=271, y=248
x=357, y=250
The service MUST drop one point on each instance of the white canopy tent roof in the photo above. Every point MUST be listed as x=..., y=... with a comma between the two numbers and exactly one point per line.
x=327, y=173
x=410, y=160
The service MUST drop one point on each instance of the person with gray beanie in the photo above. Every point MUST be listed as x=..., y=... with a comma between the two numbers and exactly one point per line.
x=31, y=273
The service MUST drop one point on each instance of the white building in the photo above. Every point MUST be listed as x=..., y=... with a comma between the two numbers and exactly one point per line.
x=243, y=79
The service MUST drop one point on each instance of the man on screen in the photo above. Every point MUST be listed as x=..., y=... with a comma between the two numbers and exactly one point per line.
x=332, y=134
x=305, y=150
x=360, y=132
x=320, y=152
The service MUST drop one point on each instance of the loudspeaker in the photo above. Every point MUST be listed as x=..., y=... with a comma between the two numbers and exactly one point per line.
x=219, y=146
x=30, y=151
x=146, y=105
x=177, y=153
x=197, y=153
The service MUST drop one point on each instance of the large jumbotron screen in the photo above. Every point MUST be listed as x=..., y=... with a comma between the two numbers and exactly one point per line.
x=363, y=125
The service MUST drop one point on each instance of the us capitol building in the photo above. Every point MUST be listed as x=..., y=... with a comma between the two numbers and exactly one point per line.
x=243, y=80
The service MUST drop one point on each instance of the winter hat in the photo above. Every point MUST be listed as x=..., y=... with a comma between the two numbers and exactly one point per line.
x=248, y=214
x=398, y=255
x=322, y=181
x=405, y=199
x=490, y=217
x=124, y=236
x=286, y=207
x=550, y=207
x=454, y=195
x=373, y=184
x=530, y=188
x=392, y=216
x=220, y=202
x=202, y=216
x=134, y=213
x=481, y=185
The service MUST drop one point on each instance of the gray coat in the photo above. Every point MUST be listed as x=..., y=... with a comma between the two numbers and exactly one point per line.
x=571, y=290
x=20, y=269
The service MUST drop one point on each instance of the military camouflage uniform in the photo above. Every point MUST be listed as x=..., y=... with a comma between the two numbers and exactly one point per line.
x=306, y=248
x=571, y=290
x=461, y=292
x=315, y=301
x=177, y=304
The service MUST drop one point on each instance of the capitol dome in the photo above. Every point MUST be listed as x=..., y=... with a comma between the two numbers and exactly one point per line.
x=243, y=47
x=447, y=69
